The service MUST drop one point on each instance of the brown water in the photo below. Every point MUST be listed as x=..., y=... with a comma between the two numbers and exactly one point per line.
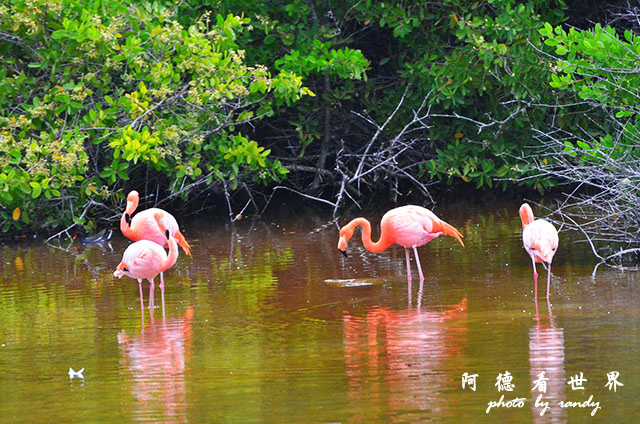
x=269, y=323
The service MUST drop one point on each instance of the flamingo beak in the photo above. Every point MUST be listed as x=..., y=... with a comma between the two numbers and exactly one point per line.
x=342, y=246
x=546, y=254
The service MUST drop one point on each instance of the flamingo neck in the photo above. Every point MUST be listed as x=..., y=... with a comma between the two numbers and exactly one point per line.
x=526, y=215
x=125, y=220
x=369, y=244
x=124, y=225
x=173, y=253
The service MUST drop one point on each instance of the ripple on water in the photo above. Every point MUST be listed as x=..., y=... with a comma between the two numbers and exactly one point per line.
x=355, y=282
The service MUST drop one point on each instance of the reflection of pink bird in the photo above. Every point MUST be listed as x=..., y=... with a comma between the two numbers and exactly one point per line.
x=408, y=226
x=146, y=259
x=540, y=240
x=400, y=363
x=143, y=225
x=546, y=359
x=156, y=359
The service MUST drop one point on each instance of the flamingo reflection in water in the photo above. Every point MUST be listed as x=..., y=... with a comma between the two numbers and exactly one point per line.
x=546, y=355
x=155, y=359
x=397, y=360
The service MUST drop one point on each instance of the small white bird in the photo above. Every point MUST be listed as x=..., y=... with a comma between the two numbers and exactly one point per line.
x=73, y=374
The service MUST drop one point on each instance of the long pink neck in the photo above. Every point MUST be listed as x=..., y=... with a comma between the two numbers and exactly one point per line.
x=129, y=210
x=173, y=253
x=370, y=245
x=526, y=215
x=173, y=245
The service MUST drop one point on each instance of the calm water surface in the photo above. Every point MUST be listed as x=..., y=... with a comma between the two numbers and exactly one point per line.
x=269, y=323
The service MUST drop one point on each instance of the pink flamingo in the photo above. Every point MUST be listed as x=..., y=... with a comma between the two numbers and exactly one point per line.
x=409, y=226
x=146, y=259
x=143, y=226
x=540, y=240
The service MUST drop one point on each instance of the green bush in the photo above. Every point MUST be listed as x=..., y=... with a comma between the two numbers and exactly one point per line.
x=102, y=94
x=479, y=63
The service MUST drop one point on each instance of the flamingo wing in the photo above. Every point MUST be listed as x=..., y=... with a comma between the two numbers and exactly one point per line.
x=144, y=259
x=145, y=226
x=410, y=225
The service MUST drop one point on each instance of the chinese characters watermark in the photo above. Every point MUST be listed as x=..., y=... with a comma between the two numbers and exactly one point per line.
x=613, y=380
x=469, y=380
x=576, y=382
x=541, y=383
x=503, y=382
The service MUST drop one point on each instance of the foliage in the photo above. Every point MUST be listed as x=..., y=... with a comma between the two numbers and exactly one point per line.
x=477, y=62
x=480, y=64
x=201, y=97
x=599, y=66
x=100, y=95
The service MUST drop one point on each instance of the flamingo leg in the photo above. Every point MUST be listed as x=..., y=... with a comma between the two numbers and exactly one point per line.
x=152, y=287
x=548, y=280
x=141, y=297
x=162, y=291
x=406, y=250
x=535, y=278
x=415, y=251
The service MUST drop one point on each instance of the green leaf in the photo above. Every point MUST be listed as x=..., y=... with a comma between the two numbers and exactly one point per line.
x=628, y=35
x=59, y=34
x=37, y=189
x=583, y=145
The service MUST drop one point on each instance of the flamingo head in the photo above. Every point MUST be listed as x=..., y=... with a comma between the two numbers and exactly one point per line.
x=345, y=235
x=133, y=196
x=121, y=271
x=543, y=250
x=159, y=217
x=132, y=204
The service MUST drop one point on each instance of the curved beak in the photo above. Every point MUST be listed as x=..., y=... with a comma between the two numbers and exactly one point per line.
x=342, y=246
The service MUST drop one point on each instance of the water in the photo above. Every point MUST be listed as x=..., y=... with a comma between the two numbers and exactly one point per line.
x=269, y=323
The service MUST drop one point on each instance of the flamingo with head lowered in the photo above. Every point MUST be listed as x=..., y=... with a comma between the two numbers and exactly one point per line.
x=540, y=240
x=143, y=226
x=146, y=259
x=409, y=226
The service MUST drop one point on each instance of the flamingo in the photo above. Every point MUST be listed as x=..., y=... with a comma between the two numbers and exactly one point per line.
x=540, y=240
x=143, y=226
x=409, y=226
x=146, y=259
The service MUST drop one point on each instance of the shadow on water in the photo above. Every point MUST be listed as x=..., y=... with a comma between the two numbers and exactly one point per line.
x=269, y=323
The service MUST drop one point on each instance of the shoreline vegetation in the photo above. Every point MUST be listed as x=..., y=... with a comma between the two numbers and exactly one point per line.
x=228, y=104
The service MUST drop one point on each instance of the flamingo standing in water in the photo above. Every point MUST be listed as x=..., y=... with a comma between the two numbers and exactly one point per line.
x=409, y=226
x=540, y=240
x=143, y=226
x=146, y=259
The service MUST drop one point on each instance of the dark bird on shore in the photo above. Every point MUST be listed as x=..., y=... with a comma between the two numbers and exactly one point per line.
x=101, y=237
